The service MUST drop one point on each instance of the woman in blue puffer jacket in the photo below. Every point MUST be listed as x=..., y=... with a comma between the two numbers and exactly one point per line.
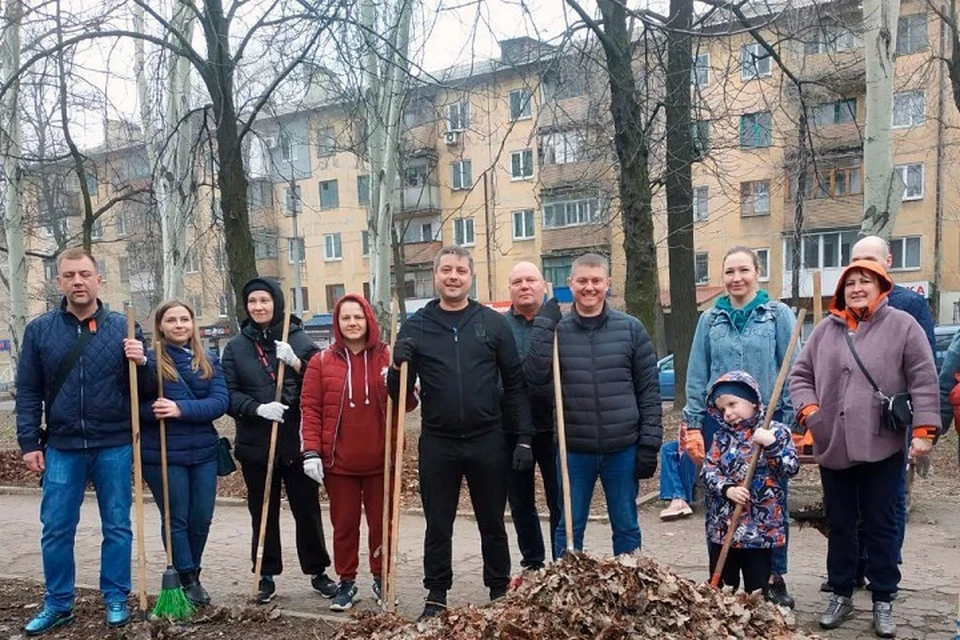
x=194, y=395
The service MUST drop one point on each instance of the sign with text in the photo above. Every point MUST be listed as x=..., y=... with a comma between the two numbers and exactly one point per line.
x=922, y=287
x=215, y=331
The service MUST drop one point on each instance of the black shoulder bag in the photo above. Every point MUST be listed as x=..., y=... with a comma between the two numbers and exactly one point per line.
x=896, y=412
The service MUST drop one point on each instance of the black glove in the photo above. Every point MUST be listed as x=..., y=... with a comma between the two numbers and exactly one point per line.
x=551, y=309
x=522, y=457
x=403, y=351
x=646, y=462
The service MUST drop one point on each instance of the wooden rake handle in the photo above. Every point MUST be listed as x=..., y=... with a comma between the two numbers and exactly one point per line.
x=755, y=453
x=385, y=550
x=137, y=464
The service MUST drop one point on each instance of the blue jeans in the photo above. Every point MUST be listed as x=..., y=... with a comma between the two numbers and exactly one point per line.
x=620, y=487
x=678, y=473
x=193, y=493
x=64, y=480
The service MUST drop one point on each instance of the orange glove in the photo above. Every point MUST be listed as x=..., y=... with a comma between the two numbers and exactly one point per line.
x=694, y=446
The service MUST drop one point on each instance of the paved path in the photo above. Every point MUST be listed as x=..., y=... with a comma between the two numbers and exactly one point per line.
x=925, y=609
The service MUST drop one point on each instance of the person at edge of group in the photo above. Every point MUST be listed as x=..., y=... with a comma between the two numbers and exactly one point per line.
x=251, y=363
x=950, y=389
x=194, y=395
x=744, y=331
x=734, y=401
x=527, y=291
x=860, y=460
x=876, y=249
x=611, y=400
x=462, y=351
x=73, y=376
x=343, y=436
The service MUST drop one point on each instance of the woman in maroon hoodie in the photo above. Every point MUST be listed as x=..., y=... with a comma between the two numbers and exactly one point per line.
x=860, y=460
x=342, y=435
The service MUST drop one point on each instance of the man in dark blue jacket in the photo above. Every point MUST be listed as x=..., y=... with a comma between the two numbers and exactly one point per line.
x=461, y=351
x=73, y=375
x=611, y=400
x=527, y=289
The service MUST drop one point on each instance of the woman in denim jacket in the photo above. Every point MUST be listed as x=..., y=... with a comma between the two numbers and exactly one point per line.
x=744, y=331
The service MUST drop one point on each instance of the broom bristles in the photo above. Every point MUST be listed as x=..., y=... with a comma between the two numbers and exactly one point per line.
x=172, y=603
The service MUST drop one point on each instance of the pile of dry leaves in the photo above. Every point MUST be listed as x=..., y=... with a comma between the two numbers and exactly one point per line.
x=585, y=597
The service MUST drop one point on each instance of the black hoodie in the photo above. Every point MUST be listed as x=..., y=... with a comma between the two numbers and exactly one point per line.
x=251, y=380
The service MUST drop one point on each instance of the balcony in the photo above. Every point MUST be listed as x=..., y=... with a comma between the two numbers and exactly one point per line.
x=420, y=252
x=412, y=201
x=420, y=141
x=829, y=278
x=554, y=176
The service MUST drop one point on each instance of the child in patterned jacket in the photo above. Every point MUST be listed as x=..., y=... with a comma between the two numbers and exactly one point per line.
x=735, y=400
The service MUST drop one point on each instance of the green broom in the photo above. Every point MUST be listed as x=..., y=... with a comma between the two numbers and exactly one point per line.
x=172, y=603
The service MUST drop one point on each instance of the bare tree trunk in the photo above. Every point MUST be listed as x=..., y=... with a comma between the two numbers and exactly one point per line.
x=679, y=183
x=797, y=237
x=882, y=187
x=10, y=152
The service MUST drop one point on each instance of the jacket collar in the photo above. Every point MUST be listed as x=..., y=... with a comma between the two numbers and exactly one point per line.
x=604, y=314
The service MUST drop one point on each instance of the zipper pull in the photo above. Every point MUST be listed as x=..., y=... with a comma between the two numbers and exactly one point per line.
x=456, y=335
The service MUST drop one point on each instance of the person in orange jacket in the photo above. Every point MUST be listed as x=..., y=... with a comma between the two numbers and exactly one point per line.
x=343, y=437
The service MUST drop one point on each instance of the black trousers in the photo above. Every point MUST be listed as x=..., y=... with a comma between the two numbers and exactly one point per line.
x=444, y=462
x=869, y=490
x=303, y=496
x=754, y=564
x=522, y=498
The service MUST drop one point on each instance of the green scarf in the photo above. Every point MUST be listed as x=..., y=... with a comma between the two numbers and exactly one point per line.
x=739, y=316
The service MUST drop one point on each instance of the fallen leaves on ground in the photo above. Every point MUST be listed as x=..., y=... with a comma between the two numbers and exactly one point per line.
x=627, y=597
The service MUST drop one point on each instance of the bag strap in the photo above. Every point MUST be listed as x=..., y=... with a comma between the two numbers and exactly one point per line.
x=70, y=360
x=846, y=334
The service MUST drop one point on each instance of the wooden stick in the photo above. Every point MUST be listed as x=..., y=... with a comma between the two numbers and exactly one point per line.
x=562, y=441
x=137, y=465
x=271, y=455
x=391, y=589
x=817, y=298
x=168, y=538
x=385, y=551
x=755, y=454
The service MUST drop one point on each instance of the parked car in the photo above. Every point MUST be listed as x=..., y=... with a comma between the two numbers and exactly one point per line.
x=665, y=369
x=944, y=336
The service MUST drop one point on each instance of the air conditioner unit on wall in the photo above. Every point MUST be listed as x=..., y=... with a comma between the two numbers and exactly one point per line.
x=451, y=137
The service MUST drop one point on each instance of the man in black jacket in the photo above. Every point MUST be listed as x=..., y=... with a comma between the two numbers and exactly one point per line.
x=461, y=351
x=611, y=400
x=527, y=289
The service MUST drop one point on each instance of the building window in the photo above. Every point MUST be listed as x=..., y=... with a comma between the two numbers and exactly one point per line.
x=121, y=224
x=364, y=243
x=912, y=177
x=908, y=108
x=363, y=190
x=463, y=232
x=326, y=142
x=123, y=266
x=334, y=293
x=92, y=187
x=564, y=79
x=288, y=151
x=332, y=249
x=461, y=176
x=557, y=270
x=190, y=261
x=829, y=250
x=520, y=104
x=458, y=116
x=329, y=194
x=223, y=306
x=701, y=268
x=196, y=303
x=755, y=130
x=57, y=228
x=96, y=229
x=754, y=61
x=418, y=232
x=755, y=198
x=911, y=33
x=905, y=252
x=563, y=147
x=830, y=39
x=837, y=112
x=523, y=224
x=292, y=201
x=264, y=245
x=521, y=164
x=102, y=269
x=700, y=73
x=219, y=258
x=763, y=257
x=700, y=134
x=296, y=250
x=701, y=207
x=570, y=213
x=835, y=182
x=305, y=292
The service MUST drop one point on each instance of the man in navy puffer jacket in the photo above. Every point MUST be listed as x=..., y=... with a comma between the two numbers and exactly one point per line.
x=87, y=435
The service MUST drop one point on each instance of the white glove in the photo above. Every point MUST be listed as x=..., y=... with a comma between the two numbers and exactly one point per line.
x=286, y=354
x=764, y=437
x=313, y=467
x=272, y=411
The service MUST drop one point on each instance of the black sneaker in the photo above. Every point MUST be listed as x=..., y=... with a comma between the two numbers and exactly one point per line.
x=777, y=593
x=497, y=593
x=343, y=600
x=435, y=605
x=266, y=590
x=324, y=585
